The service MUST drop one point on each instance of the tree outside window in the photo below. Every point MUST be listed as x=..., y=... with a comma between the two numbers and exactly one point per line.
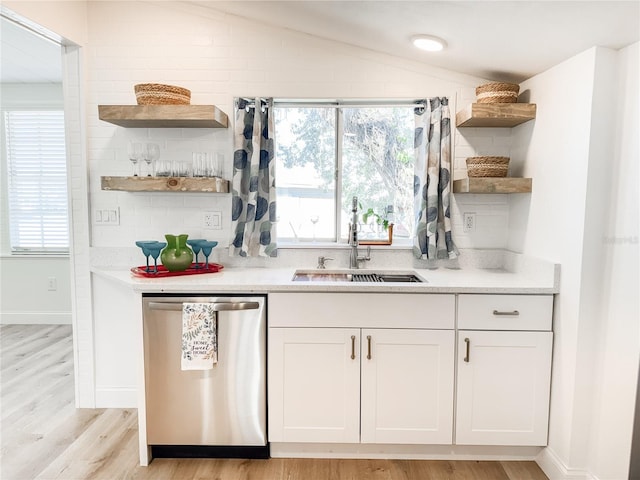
x=326, y=155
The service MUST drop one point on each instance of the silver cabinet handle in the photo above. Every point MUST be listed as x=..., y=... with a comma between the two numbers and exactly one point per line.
x=217, y=306
x=353, y=347
x=468, y=342
x=514, y=313
x=368, y=347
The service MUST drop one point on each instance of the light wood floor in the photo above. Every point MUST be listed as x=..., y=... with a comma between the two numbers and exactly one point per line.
x=45, y=437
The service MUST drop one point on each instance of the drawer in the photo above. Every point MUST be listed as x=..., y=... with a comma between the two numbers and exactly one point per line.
x=362, y=310
x=505, y=312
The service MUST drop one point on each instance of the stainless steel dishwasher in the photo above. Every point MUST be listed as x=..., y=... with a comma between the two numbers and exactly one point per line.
x=219, y=412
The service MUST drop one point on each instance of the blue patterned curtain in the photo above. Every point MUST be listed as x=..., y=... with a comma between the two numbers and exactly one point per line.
x=431, y=183
x=253, y=201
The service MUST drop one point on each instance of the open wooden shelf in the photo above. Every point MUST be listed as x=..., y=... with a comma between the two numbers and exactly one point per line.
x=495, y=114
x=164, y=116
x=492, y=185
x=166, y=184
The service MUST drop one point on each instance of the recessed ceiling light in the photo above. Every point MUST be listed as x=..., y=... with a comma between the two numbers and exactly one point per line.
x=428, y=43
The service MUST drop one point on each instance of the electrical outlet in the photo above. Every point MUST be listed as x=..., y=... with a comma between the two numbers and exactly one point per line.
x=468, y=222
x=52, y=284
x=212, y=220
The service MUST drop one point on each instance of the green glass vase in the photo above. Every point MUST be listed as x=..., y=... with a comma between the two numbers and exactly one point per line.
x=176, y=256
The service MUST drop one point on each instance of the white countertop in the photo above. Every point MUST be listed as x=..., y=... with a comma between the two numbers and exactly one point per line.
x=533, y=278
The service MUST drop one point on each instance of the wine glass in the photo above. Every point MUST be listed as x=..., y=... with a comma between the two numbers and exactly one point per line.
x=152, y=153
x=194, y=243
x=135, y=154
x=314, y=219
x=206, y=250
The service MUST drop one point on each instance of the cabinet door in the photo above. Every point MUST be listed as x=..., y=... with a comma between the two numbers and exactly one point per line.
x=503, y=387
x=407, y=386
x=314, y=385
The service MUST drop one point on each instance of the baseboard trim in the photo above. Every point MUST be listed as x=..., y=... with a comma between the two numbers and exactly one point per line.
x=415, y=452
x=35, y=318
x=554, y=468
x=116, y=397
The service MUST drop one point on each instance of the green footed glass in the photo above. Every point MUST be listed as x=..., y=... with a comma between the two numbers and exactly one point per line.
x=176, y=256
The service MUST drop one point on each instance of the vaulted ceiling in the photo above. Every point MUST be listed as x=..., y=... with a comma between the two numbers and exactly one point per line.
x=500, y=40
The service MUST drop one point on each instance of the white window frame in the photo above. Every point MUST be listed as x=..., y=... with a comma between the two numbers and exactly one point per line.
x=339, y=105
x=35, y=170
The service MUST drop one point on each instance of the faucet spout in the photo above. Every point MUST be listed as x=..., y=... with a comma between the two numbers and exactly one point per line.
x=353, y=234
x=354, y=258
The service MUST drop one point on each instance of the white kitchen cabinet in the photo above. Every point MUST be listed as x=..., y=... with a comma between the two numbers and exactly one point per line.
x=503, y=377
x=314, y=385
x=407, y=386
x=342, y=385
x=339, y=374
x=355, y=380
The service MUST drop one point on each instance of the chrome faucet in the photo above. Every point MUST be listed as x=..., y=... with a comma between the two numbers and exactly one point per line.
x=354, y=258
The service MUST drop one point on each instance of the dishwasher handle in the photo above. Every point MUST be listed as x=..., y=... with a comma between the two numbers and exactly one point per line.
x=217, y=306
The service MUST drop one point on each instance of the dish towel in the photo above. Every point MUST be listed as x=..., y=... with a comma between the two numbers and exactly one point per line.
x=199, y=336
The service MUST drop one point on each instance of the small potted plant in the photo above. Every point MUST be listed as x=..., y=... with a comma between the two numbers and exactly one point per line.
x=378, y=223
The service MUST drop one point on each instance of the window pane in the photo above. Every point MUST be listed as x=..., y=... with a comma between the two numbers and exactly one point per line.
x=377, y=166
x=306, y=164
x=37, y=181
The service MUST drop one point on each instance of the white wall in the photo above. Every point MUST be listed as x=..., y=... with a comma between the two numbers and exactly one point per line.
x=24, y=280
x=569, y=151
x=25, y=297
x=553, y=150
x=116, y=347
x=618, y=332
x=218, y=57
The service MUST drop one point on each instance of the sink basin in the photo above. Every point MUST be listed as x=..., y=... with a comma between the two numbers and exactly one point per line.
x=398, y=277
x=359, y=276
x=312, y=276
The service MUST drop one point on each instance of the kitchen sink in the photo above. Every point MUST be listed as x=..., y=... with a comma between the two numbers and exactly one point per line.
x=356, y=276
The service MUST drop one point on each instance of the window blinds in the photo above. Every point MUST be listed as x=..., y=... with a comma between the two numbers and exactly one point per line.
x=37, y=181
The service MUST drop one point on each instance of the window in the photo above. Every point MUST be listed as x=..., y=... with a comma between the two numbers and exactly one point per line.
x=327, y=153
x=37, y=181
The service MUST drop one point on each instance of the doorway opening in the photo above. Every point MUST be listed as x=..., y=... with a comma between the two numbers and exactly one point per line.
x=41, y=73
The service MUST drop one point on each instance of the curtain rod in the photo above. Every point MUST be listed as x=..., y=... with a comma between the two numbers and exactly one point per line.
x=330, y=104
x=348, y=104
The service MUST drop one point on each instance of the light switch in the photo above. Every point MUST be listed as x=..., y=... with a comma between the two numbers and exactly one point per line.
x=106, y=216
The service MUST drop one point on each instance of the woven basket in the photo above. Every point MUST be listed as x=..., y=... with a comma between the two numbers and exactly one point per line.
x=487, y=166
x=159, y=94
x=497, y=93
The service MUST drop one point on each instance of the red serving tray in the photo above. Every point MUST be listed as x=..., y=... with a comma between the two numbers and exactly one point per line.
x=162, y=272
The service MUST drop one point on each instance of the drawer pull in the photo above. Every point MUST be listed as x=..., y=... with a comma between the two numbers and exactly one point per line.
x=353, y=347
x=514, y=313
x=467, y=348
x=368, y=347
